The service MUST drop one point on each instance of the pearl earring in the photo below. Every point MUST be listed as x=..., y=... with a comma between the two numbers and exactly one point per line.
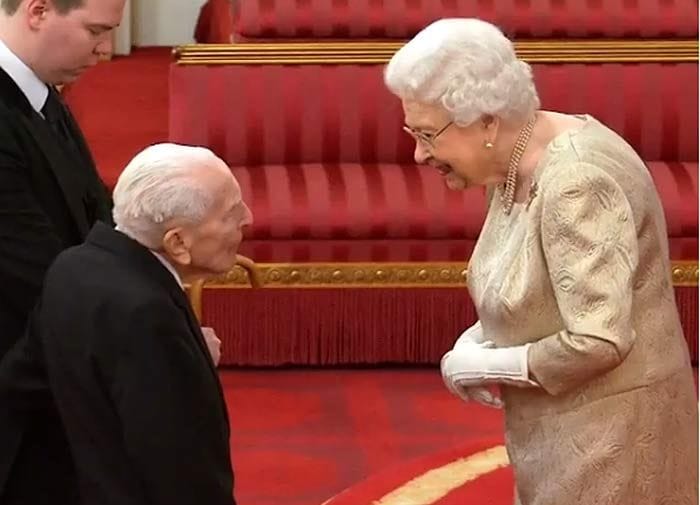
x=488, y=145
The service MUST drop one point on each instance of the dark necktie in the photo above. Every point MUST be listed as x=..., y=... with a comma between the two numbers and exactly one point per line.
x=55, y=113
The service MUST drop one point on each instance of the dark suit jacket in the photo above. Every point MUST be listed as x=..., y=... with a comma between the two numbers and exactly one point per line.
x=50, y=196
x=132, y=378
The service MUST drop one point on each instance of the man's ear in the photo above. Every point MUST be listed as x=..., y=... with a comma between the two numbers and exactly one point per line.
x=37, y=11
x=176, y=244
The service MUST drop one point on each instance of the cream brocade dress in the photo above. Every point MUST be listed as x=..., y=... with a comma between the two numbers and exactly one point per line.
x=582, y=272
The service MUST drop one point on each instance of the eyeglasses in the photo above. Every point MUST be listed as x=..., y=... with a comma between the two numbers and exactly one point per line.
x=427, y=139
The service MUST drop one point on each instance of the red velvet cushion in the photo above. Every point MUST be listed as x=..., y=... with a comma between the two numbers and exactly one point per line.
x=358, y=201
x=272, y=19
x=362, y=250
x=389, y=212
x=215, y=23
x=275, y=114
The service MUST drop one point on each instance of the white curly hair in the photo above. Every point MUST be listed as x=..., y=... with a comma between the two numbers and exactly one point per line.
x=466, y=65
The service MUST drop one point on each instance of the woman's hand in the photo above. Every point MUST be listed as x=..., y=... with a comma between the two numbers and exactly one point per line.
x=480, y=394
x=482, y=364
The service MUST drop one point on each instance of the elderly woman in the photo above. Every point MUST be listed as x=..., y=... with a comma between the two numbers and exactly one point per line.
x=570, y=277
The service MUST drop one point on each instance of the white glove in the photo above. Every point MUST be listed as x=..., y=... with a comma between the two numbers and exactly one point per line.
x=472, y=336
x=479, y=394
x=213, y=344
x=478, y=365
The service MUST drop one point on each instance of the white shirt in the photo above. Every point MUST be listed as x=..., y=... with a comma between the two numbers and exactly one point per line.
x=33, y=88
x=170, y=268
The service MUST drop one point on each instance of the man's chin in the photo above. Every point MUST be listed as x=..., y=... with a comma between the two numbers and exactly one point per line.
x=222, y=269
x=63, y=80
x=225, y=267
x=210, y=271
x=71, y=76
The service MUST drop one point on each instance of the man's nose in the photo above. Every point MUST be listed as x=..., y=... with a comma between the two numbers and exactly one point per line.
x=104, y=48
x=247, y=216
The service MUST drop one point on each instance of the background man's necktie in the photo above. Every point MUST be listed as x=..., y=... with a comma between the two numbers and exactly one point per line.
x=55, y=113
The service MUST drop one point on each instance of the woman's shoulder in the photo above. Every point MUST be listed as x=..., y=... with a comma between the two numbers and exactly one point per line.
x=593, y=153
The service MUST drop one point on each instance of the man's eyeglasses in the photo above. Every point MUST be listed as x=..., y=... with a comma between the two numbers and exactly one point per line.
x=427, y=139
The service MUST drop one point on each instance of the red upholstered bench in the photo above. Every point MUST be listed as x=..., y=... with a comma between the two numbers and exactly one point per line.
x=224, y=21
x=276, y=20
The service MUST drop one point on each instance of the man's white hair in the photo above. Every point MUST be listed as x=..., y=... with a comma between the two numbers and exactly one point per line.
x=159, y=186
x=466, y=65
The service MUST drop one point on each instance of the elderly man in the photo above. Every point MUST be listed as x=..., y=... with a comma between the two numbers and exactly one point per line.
x=125, y=359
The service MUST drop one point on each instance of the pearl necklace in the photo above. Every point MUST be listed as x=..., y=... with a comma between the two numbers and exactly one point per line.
x=508, y=194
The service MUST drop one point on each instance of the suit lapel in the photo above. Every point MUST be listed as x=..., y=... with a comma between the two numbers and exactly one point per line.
x=63, y=168
x=80, y=140
x=184, y=304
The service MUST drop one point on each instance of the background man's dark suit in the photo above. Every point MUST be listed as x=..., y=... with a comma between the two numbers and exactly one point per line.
x=50, y=196
x=132, y=378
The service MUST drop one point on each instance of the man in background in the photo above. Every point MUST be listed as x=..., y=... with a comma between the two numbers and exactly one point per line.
x=50, y=196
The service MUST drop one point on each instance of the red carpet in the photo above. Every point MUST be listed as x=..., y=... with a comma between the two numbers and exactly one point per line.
x=300, y=437
x=475, y=472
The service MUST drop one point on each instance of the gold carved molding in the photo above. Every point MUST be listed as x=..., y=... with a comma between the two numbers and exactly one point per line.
x=380, y=275
x=364, y=275
x=533, y=51
x=684, y=273
x=348, y=275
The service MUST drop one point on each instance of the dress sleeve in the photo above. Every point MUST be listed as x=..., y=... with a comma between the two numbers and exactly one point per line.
x=590, y=245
